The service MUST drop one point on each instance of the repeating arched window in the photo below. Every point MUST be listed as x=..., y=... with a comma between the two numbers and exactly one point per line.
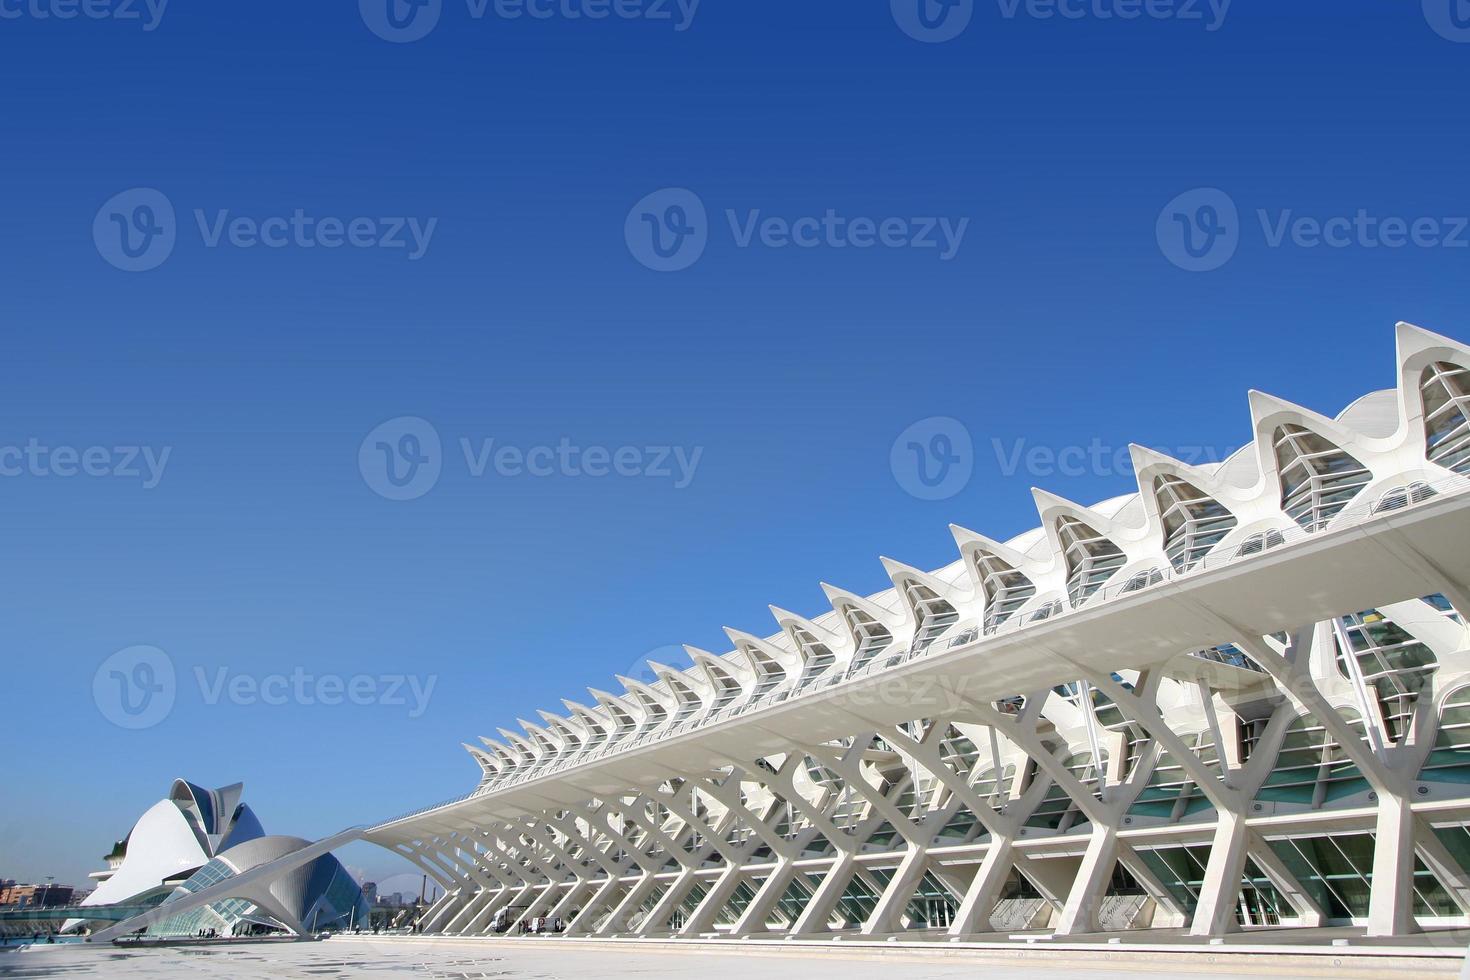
x=688, y=701
x=623, y=724
x=871, y=636
x=769, y=674
x=933, y=614
x=1194, y=522
x=1311, y=767
x=1445, y=388
x=1143, y=579
x=1046, y=611
x=1400, y=497
x=1170, y=792
x=1261, y=541
x=654, y=710
x=571, y=744
x=727, y=688
x=1394, y=666
x=1005, y=589
x=1318, y=479
x=817, y=657
x=1057, y=809
x=1091, y=559
x=1449, y=762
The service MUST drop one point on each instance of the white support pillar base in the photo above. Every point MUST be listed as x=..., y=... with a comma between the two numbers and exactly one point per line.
x=1220, y=891
x=1079, y=914
x=1391, y=905
x=984, y=892
x=895, y=898
x=815, y=917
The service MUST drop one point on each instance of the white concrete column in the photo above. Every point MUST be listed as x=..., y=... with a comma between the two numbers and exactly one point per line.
x=1079, y=914
x=621, y=917
x=714, y=901
x=984, y=892
x=895, y=898
x=1220, y=892
x=818, y=912
x=1391, y=905
x=670, y=901
x=757, y=914
x=574, y=895
x=600, y=900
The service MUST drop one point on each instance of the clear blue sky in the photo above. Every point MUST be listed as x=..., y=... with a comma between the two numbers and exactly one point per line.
x=262, y=550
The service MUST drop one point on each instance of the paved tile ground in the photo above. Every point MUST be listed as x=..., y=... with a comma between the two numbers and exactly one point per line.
x=344, y=958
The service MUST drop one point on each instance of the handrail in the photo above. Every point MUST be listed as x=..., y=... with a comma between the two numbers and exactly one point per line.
x=1260, y=542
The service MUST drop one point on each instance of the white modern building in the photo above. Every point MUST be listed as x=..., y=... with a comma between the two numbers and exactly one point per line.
x=1236, y=699
x=195, y=838
x=173, y=839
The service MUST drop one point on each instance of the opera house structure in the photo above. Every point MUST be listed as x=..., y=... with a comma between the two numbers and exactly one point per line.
x=1237, y=698
x=196, y=837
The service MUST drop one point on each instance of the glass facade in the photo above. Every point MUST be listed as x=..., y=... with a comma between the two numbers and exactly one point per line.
x=1311, y=767
x=1393, y=666
x=1005, y=589
x=1091, y=559
x=1318, y=479
x=1337, y=871
x=1182, y=872
x=1445, y=389
x=1194, y=522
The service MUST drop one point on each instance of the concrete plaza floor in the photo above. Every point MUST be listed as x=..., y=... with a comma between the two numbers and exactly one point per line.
x=341, y=958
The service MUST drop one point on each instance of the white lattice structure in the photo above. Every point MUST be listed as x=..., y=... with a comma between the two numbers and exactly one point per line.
x=1239, y=697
